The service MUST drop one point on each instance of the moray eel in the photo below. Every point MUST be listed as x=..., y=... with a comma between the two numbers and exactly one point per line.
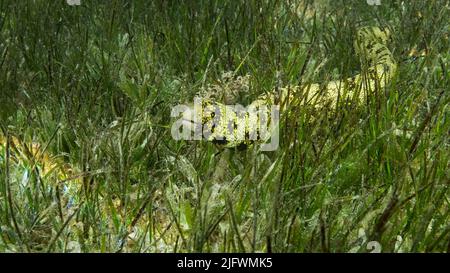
x=231, y=127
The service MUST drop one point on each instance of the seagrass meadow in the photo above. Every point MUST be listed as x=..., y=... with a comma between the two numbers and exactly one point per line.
x=88, y=162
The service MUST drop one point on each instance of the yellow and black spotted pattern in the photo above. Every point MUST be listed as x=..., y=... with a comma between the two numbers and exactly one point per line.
x=223, y=125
